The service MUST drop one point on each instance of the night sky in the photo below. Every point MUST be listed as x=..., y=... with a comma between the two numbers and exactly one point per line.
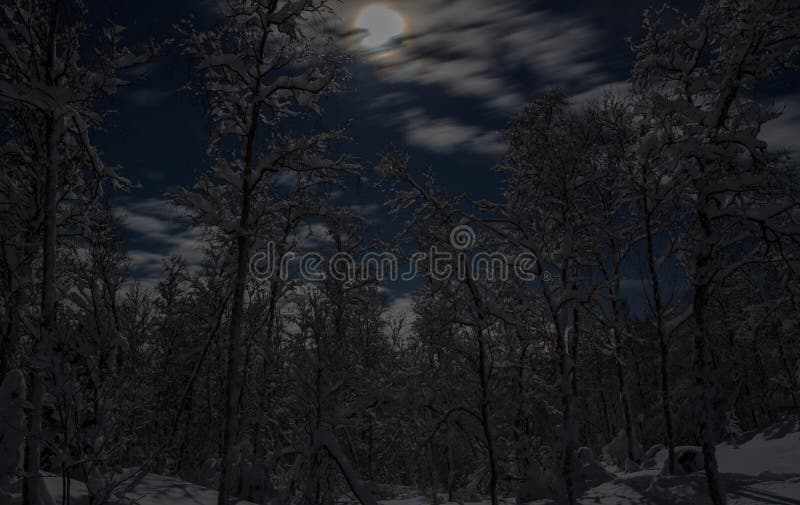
x=444, y=93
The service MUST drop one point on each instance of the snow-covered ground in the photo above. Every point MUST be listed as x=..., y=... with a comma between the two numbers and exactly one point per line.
x=764, y=469
x=148, y=489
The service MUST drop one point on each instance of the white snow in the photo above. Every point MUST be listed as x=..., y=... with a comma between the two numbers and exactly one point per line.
x=149, y=489
x=159, y=490
x=764, y=469
x=770, y=452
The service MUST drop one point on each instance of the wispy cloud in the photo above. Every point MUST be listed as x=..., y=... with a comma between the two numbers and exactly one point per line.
x=476, y=50
x=463, y=76
x=158, y=231
x=401, y=309
x=392, y=99
x=448, y=135
x=472, y=47
x=782, y=133
x=366, y=210
x=584, y=98
x=149, y=97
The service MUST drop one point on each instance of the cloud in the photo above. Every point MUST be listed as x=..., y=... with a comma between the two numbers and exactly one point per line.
x=473, y=47
x=286, y=179
x=782, y=133
x=463, y=76
x=401, y=309
x=447, y=135
x=366, y=210
x=154, y=175
x=391, y=99
x=311, y=236
x=555, y=49
x=148, y=97
x=584, y=98
x=143, y=70
x=158, y=230
x=147, y=224
x=475, y=50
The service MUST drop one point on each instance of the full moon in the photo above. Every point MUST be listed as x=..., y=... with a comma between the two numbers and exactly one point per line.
x=381, y=24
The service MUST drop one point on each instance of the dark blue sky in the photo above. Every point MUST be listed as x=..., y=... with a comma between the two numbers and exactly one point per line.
x=158, y=132
x=444, y=96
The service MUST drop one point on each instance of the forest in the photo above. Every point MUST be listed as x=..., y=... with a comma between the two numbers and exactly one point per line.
x=647, y=314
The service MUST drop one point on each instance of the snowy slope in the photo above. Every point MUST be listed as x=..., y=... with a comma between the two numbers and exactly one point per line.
x=159, y=490
x=776, y=451
x=149, y=489
x=764, y=469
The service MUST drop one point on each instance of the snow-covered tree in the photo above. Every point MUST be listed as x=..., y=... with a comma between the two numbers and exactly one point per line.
x=51, y=89
x=548, y=169
x=264, y=64
x=700, y=75
x=466, y=302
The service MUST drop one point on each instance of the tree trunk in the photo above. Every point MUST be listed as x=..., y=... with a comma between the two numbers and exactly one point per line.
x=233, y=372
x=703, y=390
x=566, y=369
x=608, y=433
x=30, y=484
x=486, y=420
x=666, y=402
x=626, y=411
x=704, y=401
x=259, y=448
x=451, y=466
x=663, y=345
x=643, y=401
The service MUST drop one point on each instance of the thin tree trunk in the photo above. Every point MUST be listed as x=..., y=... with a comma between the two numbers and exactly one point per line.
x=569, y=464
x=483, y=371
x=30, y=483
x=451, y=466
x=486, y=419
x=233, y=373
x=431, y=474
x=701, y=361
x=663, y=345
x=703, y=391
x=370, y=449
x=566, y=370
x=626, y=410
x=233, y=379
x=642, y=400
x=666, y=401
x=259, y=448
x=574, y=341
x=609, y=430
